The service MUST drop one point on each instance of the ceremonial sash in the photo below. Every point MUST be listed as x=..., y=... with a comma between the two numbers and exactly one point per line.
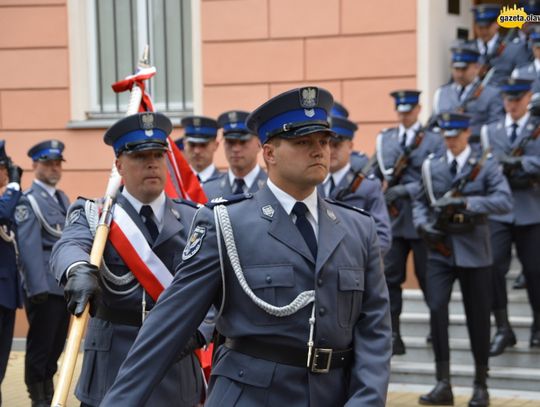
x=133, y=248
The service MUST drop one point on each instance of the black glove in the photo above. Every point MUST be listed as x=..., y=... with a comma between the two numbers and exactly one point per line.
x=428, y=232
x=14, y=173
x=82, y=287
x=395, y=192
x=455, y=202
x=509, y=162
x=195, y=342
x=39, y=298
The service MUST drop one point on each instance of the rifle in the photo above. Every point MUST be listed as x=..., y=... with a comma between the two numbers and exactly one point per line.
x=519, y=150
x=476, y=92
x=401, y=165
x=357, y=180
x=444, y=216
x=486, y=67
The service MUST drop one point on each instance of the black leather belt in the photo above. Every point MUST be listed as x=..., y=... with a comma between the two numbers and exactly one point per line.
x=461, y=219
x=119, y=316
x=322, y=359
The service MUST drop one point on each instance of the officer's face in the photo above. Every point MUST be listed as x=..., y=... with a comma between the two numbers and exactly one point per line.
x=144, y=173
x=48, y=172
x=200, y=155
x=536, y=51
x=3, y=176
x=458, y=143
x=298, y=165
x=242, y=154
x=410, y=117
x=464, y=76
x=517, y=108
x=340, y=153
x=486, y=33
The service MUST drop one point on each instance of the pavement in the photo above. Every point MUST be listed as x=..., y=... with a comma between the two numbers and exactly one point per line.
x=14, y=391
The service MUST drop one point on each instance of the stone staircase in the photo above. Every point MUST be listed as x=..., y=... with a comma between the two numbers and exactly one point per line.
x=516, y=369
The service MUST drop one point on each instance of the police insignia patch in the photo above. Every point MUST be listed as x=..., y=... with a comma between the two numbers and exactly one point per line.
x=268, y=210
x=309, y=97
x=21, y=213
x=331, y=214
x=73, y=217
x=194, y=244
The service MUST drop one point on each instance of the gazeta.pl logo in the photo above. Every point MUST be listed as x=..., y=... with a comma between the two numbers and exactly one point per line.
x=515, y=17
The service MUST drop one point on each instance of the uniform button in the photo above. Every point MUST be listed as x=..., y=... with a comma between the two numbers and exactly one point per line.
x=319, y=282
x=268, y=279
x=322, y=311
x=240, y=373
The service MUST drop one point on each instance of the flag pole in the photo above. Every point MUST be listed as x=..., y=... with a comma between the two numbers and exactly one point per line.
x=78, y=324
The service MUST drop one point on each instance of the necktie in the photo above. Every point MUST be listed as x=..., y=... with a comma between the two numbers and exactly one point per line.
x=59, y=199
x=238, y=186
x=513, y=134
x=331, y=187
x=486, y=48
x=146, y=213
x=403, y=139
x=306, y=230
x=453, y=167
x=198, y=177
x=461, y=91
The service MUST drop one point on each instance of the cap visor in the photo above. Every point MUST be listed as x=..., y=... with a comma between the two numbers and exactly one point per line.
x=451, y=133
x=238, y=136
x=199, y=140
x=513, y=96
x=404, y=108
x=146, y=147
x=484, y=23
x=459, y=64
x=306, y=131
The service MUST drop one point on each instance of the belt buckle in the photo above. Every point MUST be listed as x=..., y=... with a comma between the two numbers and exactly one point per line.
x=314, y=362
x=458, y=218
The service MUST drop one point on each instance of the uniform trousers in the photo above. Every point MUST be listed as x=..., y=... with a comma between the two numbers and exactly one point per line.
x=475, y=285
x=47, y=332
x=395, y=268
x=526, y=239
x=7, y=323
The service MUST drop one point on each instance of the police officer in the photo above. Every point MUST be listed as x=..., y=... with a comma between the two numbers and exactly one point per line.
x=466, y=92
x=400, y=153
x=200, y=145
x=514, y=141
x=340, y=181
x=458, y=192
x=10, y=295
x=330, y=346
x=531, y=70
x=40, y=218
x=502, y=53
x=158, y=231
x=241, y=150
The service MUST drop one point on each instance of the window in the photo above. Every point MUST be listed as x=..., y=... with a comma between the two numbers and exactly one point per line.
x=123, y=27
x=107, y=39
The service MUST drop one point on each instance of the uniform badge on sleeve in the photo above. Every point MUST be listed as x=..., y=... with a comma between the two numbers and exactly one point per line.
x=73, y=217
x=21, y=213
x=194, y=244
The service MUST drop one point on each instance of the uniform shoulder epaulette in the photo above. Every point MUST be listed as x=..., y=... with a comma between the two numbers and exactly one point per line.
x=186, y=202
x=228, y=200
x=344, y=205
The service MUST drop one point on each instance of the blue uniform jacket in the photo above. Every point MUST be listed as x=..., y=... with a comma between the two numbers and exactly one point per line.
x=487, y=108
x=352, y=309
x=526, y=201
x=488, y=194
x=10, y=285
x=369, y=197
x=220, y=186
x=389, y=153
x=36, y=243
x=106, y=343
x=515, y=54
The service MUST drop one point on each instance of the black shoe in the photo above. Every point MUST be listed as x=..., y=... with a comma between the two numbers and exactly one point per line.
x=519, y=282
x=441, y=395
x=502, y=339
x=480, y=397
x=398, y=347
